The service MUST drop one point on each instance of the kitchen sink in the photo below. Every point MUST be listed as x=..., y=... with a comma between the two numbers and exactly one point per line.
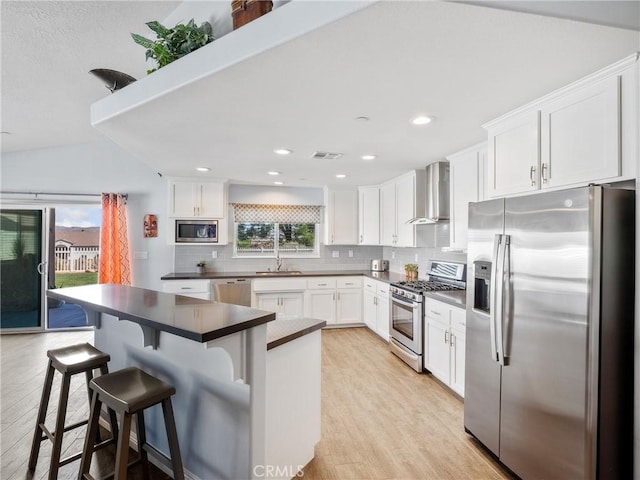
x=281, y=272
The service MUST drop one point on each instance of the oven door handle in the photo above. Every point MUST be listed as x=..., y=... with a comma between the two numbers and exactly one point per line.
x=404, y=302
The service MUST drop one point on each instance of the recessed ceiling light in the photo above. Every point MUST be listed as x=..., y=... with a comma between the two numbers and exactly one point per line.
x=368, y=157
x=203, y=169
x=283, y=151
x=362, y=119
x=422, y=120
x=273, y=173
x=340, y=175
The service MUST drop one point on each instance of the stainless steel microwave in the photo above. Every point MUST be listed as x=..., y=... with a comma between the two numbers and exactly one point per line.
x=196, y=231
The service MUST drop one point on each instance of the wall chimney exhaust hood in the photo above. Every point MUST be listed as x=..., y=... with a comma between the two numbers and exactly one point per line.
x=436, y=204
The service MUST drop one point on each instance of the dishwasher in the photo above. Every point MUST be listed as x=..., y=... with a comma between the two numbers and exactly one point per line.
x=232, y=290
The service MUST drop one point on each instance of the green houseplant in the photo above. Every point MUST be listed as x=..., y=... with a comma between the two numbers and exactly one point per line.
x=201, y=266
x=173, y=43
x=411, y=270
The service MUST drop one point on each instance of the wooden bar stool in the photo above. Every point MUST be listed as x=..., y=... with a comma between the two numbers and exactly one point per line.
x=130, y=391
x=69, y=361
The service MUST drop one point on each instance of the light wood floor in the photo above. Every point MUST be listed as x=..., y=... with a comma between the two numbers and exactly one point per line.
x=23, y=362
x=380, y=419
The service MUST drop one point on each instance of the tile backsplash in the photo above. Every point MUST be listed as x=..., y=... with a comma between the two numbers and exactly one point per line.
x=186, y=258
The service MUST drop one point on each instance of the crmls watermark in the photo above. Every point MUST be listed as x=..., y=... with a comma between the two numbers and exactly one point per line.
x=278, y=471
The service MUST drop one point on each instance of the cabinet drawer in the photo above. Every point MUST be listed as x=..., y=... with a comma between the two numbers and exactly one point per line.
x=279, y=284
x=382, y=288
x=437, y=310
x=321, y=283
x=458, y=316
x=186, y=286
x=370, y=285
x=349, y=282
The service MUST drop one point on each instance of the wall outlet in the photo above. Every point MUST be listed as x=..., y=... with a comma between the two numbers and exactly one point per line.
x=415, y=258
x=335, y=254
x=350, y=253
x=393, y=255
x=140, y=255
x=214, y=254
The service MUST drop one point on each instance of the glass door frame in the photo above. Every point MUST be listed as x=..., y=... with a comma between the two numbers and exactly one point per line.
x=42, y=267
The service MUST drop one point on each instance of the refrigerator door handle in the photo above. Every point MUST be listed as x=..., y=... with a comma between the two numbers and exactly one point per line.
x=503, y=294
x=493, y=303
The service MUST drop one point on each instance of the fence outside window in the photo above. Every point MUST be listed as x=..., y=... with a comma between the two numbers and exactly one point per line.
x=76, y=259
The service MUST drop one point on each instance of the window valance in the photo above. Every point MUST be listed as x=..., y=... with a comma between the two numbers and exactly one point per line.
x=262, y=213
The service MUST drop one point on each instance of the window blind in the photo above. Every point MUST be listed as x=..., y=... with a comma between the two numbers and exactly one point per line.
x=262, y=213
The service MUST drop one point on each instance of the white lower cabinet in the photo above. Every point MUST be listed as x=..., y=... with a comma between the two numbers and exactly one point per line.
x=285, y=296
x=286, y=303
x=444, y=342
x=376, y=307
x=337, y=300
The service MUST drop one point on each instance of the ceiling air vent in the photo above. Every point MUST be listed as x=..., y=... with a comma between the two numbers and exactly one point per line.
x=325, y=156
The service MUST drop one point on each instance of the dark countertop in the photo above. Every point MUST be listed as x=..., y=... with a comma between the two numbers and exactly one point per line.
x=192, y=318
x=455, y=298
x=285, y=329
x=383, y=276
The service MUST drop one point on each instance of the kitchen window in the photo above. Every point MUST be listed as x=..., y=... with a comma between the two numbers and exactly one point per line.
x=276, y=230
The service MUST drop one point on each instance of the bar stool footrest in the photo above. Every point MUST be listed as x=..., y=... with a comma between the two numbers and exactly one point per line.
x=88, y=476
x=51, y=435
x=96, y=447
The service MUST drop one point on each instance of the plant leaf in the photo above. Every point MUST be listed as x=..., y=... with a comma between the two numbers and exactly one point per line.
x=140, y=40
x=158, y=28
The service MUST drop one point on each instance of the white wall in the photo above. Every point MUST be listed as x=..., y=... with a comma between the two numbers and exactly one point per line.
x=96, y=168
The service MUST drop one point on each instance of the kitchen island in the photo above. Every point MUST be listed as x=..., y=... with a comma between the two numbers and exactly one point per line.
x=233, y=375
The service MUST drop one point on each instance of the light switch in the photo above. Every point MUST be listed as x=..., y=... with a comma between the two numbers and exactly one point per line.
x=350, y=253
x=335, y=254
x=140, y=255
x=214, y=254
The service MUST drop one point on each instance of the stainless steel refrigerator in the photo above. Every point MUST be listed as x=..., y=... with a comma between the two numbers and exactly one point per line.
x=549, y=355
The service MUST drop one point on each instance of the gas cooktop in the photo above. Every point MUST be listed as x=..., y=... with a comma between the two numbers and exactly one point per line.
x=426, y=286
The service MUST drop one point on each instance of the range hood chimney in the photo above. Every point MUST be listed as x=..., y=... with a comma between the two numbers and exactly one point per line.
x=436, y=204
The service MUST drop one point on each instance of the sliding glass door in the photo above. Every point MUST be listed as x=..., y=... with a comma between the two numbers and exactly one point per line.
x=22, y=269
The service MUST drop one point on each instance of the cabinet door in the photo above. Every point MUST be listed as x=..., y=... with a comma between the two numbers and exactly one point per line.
x=370, y=310
x=437, y=354
x=581, y=135
x=388, y=214
x=458, y=345
x=292, y=303
x=405, y=210
x=464, y=188
x=183, y=199
x=343, y=217
x=382, y=324
x=321, y=304
x=211, y=200
x=369, y=216
x=349, y=305
x=268, y=301
x=514, y=155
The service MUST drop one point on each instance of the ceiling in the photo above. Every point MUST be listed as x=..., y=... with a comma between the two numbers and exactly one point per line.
x=462, y=63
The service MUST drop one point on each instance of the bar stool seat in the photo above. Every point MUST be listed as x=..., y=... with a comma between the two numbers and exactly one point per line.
x=130, y=391
x=69, y=361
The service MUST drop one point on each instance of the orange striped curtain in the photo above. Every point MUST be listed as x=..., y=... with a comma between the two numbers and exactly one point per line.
x=114, y=242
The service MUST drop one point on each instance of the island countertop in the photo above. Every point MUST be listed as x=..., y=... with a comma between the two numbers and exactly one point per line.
x=192, y=318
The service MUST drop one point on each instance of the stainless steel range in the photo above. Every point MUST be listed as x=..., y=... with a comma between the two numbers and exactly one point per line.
x=407, y=308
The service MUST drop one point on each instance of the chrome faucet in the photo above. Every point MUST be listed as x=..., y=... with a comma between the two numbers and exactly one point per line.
x=278, y=262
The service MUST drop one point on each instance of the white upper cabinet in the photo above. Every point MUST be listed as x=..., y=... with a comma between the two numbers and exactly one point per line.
x=467, y=176
x=369, y=215
x=397, y=206
x=586, y=132
x=581, y=135
x=341, y=216
x=191, y=198
x=514, y=155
